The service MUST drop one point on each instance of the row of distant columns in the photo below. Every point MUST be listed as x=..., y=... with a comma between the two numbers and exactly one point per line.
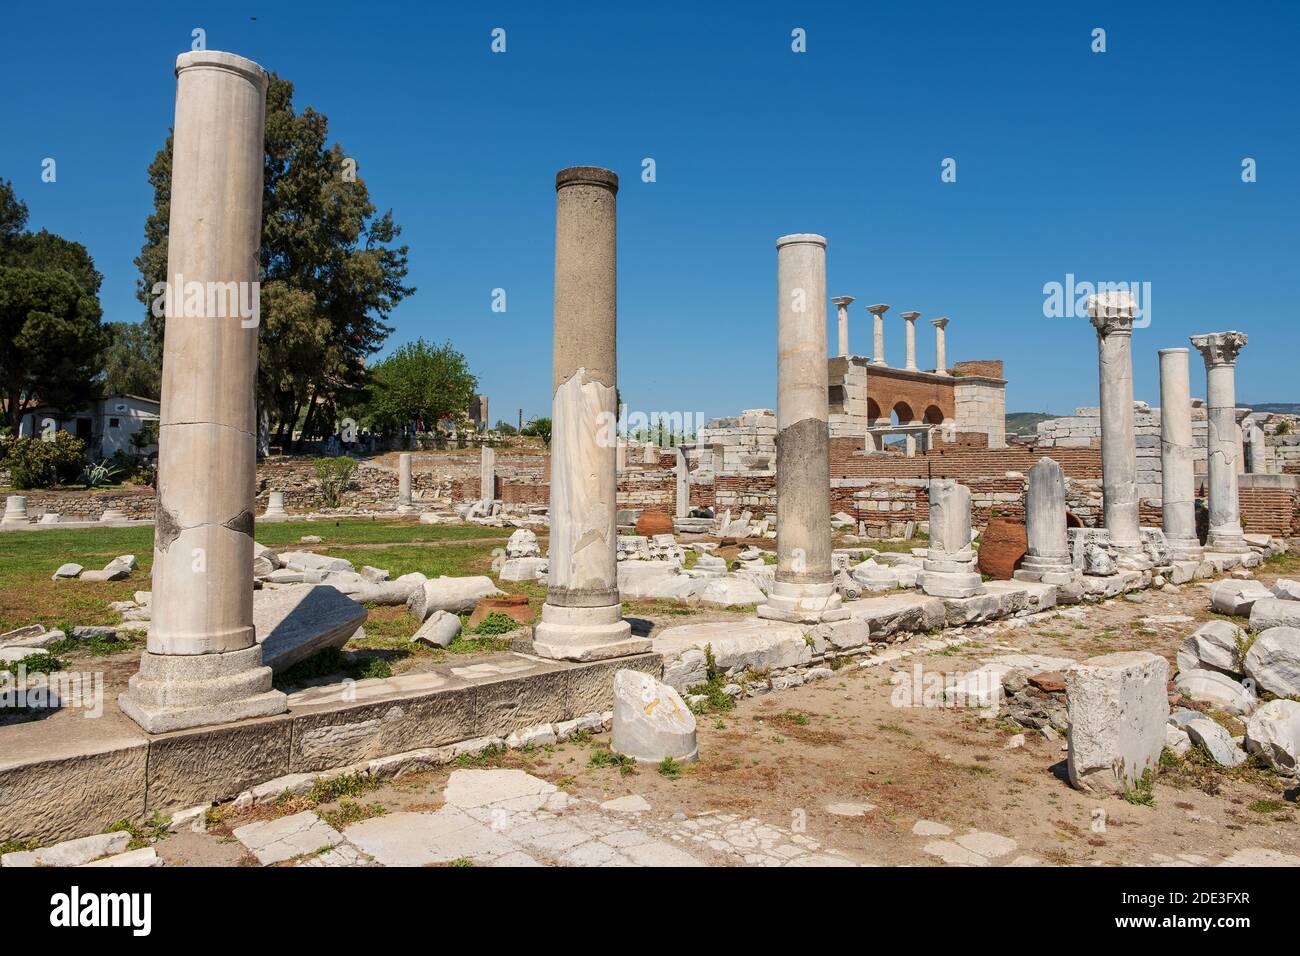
x=1112, y=315
x=842, y=303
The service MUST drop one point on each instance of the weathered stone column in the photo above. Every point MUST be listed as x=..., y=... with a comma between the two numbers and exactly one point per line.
x=804, y=589
x=683, y=484
x=910, y=319
x=15, y=510
x=1112, y=316
x=1048, y=557
x=1219, y=349
x=487, y=473
x=582, y=618
x=404, y=483
x=202, y=663
x=940, y=345
x=842, y=303
x=1241, y=439
x=1177, y=457
x=878, y=333
x=275, y=506
x=949, y=567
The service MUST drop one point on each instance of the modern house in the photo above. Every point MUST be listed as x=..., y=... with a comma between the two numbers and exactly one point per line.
x=106, y=427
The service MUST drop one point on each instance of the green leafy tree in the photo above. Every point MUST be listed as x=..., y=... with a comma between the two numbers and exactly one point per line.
x=331, y=270
x=420, y=383
x=539, y=428
x=51, y=339
x=129, y=365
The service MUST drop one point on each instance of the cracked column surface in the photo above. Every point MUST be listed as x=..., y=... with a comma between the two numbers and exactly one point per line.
x=1112, y=316
x=582, y=618
x=1219, y=349
x=842, y=303
x=878, y=333
x=1177, y=454
x=404, y=483
x=203, y=664
x=804, y=589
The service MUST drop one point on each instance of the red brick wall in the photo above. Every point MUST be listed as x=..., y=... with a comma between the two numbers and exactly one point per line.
x=990, y=368
x=1270, y=511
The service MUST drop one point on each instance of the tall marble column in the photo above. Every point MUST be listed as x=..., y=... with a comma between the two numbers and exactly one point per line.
x=878, y=333
x=1219, y=349
x=683, y=484
x=1177, y=457
x=404, y=483
x=1112, y=316
x=487, y=474
x=940, y=345
x=582, y=618
x=202, y=663
x=804, y=589
x=910, y=329
x=842, y=303
x=1048, y=556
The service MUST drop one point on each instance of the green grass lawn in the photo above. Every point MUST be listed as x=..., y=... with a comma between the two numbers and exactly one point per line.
x=28, y=558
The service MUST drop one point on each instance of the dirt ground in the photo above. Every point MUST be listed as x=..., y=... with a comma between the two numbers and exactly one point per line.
x=785, y=757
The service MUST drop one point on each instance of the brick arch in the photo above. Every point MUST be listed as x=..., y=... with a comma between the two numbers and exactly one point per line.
x=904, y=412
x=873, y=410
x=933, y=415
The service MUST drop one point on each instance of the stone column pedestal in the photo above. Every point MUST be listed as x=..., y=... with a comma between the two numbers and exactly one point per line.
x=940, y=345
x=15, y=510
x=842, y=303
x=487, y=474
x=805, y=589
x=1112, y=316
x=582, y=618
x=1177, y=458
x=275, y=507
x=878, y=333
x=203, y=664
x=949, y=569
x=1048, y=558
x=404, y=483
x=1219, y=349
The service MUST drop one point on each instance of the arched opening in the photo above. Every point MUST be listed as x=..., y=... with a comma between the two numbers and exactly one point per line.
x=902, y=414
x=934, y=415
x=873, y=410
x=1072, y=519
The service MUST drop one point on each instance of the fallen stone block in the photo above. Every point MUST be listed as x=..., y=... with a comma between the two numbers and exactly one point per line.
x=651, y=721
x=1215, y=645
x=523, y=569
x=1273, y=734
x=1118, y=710
x=1216, y=688
x=1177, y=740
x=438, y=630
x=293, y=623
x=308, y=561
x=143, y=857
x=736, y=646
x=459, y=595
x=69, y=570
x=538, y=736
x=731, y=591
x=1273, y=661
x=1237, y=597
x=1272, y=612
x=70, y=852
x=1216, y=741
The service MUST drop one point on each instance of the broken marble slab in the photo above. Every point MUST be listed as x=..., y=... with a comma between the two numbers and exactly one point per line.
x=293, y=623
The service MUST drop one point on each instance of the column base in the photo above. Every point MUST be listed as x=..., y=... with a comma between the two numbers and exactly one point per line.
x=178, y=691
x=1047, y=570
x=1228, y=543
x=798, y=603
x=1184, y=549
x=585, y=634
x=404, y=509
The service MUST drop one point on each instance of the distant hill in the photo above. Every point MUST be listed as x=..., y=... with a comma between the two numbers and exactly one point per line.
x=1275, y=408
x=1026, y=423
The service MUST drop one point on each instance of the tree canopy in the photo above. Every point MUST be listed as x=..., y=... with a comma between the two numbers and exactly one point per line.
x=420, y=383
x=331, y=270
x=129, y=364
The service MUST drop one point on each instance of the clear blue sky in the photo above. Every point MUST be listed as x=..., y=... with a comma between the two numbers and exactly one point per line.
x=1117, y=166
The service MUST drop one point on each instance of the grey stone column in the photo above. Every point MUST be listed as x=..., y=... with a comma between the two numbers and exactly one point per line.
x=1219, y=349
x=910, y=319
x=203, y=664
x=842, y=303
x=487, y=474
x=404, y=483
x=275, y=506
x=15, y=510
x=1112, y=316
x=940, y=345
x=582, y=618
x=804, y=589
x=1048, y=556
x=878, y=333
x=1177, y=457
x=683, y=484
x=949, y=568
